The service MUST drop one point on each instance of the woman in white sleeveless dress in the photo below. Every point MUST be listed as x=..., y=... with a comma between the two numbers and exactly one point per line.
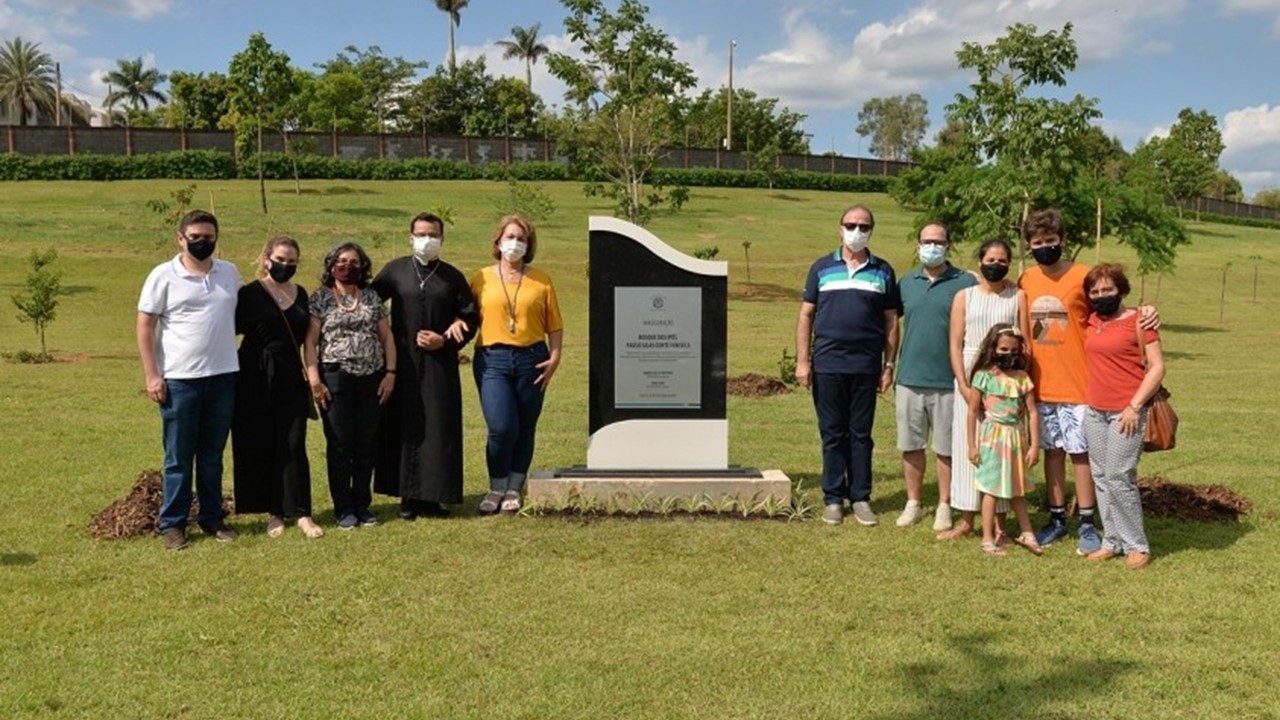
x=995, y=299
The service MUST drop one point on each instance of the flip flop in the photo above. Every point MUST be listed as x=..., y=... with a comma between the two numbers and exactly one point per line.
x=993, y=549
x=275, y=526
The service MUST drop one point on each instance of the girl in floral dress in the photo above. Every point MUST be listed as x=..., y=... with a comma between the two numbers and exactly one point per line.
x=1003, y=433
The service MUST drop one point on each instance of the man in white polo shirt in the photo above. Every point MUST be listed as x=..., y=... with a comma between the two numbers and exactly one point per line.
x=187, y=341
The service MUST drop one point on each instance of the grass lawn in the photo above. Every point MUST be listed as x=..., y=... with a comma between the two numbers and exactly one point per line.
x=535, y=618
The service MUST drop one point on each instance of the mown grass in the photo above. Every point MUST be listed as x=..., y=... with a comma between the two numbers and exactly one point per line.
x=545, y=617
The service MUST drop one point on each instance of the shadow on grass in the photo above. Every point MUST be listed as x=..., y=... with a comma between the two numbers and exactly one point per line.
x=367, y=212
x=786, y=197
x=77, y=289
x=947, y=689
x=1190, y=329
x=1176, y=355
x=765, y=292
x=1169, y=536
x=328, y=191
x=17, y=559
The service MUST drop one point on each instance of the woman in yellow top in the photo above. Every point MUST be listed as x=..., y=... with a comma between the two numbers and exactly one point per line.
x=517, y=352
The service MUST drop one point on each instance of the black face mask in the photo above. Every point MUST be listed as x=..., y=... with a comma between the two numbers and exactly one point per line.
x=1106, y=305
x=994, y=272
x=1006, y=361
x=201, y=249
x=281, y=272
x=1047, y=254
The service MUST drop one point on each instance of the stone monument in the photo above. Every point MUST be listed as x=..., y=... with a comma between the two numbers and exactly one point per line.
x=657, y=420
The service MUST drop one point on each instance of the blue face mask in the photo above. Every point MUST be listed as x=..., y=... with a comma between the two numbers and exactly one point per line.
x=932, y=255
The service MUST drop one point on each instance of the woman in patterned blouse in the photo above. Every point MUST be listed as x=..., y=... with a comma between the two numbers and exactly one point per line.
x=351, y=365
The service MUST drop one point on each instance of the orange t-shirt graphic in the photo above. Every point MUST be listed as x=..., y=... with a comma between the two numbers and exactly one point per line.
x=1059, y=314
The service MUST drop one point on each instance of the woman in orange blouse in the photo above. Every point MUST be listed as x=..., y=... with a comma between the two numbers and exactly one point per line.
x=517, y=353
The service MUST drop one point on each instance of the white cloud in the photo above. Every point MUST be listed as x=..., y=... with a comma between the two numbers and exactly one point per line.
x=136, y=9
x=1251, y=137
x=1256, y=6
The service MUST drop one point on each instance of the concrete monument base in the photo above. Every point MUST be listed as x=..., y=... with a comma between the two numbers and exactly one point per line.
x=743, y=485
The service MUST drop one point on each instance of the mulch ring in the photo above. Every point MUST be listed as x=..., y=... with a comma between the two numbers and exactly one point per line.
x=1204, y=503
x=137, y=514
x=755, y=385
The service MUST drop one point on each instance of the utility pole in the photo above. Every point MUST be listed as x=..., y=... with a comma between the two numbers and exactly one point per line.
x=728, y=135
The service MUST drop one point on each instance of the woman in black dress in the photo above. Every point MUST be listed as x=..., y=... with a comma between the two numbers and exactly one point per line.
x=269, y=432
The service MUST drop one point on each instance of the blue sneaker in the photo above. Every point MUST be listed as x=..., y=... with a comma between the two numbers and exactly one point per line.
x=348, y=522
x=1090, y=541
x=366, y=518
x=1051, y=533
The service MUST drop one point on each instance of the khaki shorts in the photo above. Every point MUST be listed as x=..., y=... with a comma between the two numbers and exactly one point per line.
x=920, y=410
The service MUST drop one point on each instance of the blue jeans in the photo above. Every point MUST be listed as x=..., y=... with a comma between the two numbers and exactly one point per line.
x=351, y=438
x=511, y=404
x=196, y=419
x=846, y=406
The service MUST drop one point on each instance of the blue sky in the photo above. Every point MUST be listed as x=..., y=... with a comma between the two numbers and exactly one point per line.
x=1143, y=59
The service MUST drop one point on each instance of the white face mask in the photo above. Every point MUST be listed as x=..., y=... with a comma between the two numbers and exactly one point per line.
x=856, y=240
x=426, y=247
x=932, y=255
x=512, y=249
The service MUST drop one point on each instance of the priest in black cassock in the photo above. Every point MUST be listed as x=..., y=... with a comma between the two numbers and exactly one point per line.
x=433, y=315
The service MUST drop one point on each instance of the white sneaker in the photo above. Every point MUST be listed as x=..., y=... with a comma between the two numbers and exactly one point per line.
x=942, y=517
x=911, y=514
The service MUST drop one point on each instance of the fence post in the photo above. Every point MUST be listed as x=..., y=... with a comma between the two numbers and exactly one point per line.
x=506, y=149
x=128, y=141
x=13, y=140
x=333, y=143
x=185, y=144
x=71, y=140
x=466, y=147
x=382, y=146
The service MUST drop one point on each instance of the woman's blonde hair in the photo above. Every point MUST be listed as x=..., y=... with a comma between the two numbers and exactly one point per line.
x=272, y=244
x=530, y=235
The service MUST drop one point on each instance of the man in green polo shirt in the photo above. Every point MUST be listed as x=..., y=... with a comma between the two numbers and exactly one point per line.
x=925, y=391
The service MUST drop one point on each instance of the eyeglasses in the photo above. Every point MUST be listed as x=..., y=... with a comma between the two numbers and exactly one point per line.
x=865, y=227
x=347, y=263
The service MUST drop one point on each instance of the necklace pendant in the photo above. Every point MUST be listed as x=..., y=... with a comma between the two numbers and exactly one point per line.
x=511, y=326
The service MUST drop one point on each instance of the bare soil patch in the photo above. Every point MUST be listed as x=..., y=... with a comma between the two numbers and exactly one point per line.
x=755, y=385
x=1203, y=503
x=137, y=514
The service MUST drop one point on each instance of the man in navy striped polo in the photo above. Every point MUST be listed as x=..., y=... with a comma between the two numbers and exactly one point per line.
x=849, y=319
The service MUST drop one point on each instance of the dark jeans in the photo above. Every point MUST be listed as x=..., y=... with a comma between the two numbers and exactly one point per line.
x=196, y=418
x=511, y=405
x=846, y=405
x=351, y=434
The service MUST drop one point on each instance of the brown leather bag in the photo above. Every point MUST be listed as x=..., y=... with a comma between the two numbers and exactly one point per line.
x=1161, y=432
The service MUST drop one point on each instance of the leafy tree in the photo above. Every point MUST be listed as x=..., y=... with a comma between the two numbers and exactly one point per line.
x=134, y=85
x=26, y=78
x=381, y=80
x=1102, y=155
x=1225, y=187
x=470, y=101
x=197, y=100
x=757, y=121
x=1012, y=147
x=262, y=81
x=524, y=44
x=1183, y=164
x=1269, y=197
x=896, y=124
x=39, y=306
x=454, y=10
x=619, y=84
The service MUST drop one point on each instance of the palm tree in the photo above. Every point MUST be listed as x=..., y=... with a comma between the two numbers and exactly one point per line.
x=454, y=8
x=26, y=78
x=135, y=85
x=524, y=45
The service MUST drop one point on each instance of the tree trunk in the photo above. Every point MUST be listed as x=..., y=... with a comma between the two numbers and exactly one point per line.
x=262, y=182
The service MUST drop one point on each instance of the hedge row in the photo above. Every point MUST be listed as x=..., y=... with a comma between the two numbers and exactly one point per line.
x=215, y=165
x=1237, y=220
